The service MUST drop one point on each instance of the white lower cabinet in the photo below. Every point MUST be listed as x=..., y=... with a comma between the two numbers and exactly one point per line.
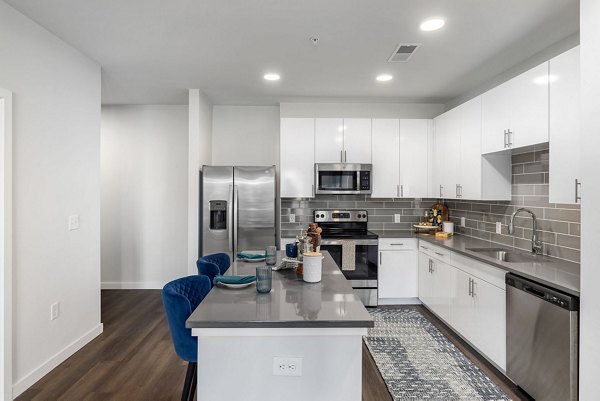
x=397, y=270
x=454, y=289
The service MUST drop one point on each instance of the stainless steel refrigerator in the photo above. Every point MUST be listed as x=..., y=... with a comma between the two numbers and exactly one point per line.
x=237, y=208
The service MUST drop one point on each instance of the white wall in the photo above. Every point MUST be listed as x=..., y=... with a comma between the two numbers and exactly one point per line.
x=361, y=110
x=56, y=150
x=144, y=195
x=590, y=214
x=245, y=135
x=199, y=154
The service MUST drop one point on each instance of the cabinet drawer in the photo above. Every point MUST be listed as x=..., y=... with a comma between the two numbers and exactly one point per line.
x=397, y=244
x=436, y=252
x=491, y=274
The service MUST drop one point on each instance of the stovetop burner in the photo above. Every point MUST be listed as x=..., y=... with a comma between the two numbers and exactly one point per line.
x=349, y=224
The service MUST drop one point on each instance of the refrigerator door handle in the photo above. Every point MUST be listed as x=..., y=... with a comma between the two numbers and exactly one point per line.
x=236, y=218
x=230, y=217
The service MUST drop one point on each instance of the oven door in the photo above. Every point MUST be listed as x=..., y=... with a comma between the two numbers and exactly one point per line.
x=362, y=273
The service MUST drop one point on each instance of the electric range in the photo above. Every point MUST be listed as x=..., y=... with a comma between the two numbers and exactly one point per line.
x=353, y=247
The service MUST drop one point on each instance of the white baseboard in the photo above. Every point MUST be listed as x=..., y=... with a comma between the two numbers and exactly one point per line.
x=132, y=285
x=45, y=368
x=399, y=301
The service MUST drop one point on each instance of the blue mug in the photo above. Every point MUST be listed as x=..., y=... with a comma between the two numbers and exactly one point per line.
x=291, y=250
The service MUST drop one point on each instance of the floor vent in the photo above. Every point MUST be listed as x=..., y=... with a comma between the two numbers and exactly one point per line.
x=403, y=52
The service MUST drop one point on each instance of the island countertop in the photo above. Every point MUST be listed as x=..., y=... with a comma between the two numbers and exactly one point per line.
x=292, y=303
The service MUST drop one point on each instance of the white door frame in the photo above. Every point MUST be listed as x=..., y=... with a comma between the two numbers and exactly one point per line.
x=6, y=392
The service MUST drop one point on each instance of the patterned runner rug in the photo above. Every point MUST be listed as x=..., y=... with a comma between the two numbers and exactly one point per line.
x=418, y=362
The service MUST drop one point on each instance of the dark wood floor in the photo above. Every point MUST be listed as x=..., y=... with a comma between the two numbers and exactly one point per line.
x=134, y=358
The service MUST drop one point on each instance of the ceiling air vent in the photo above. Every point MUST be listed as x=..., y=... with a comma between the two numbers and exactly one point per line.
x=403, y=53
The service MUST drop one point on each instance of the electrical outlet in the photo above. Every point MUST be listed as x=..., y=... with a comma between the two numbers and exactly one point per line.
x=463, y=222
x=54, y=311
x=292, y=218
x=74, y=222
x=498, y=227
x=396, y=218
x=287, y=366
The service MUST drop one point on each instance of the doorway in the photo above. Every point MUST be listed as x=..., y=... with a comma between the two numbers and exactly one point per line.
x=6, y=244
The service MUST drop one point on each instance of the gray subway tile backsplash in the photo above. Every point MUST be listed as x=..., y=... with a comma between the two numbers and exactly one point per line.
x=559, y=224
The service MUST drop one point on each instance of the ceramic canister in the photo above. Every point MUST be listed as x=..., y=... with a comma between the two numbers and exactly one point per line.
x=448, y=227
x=313, y=264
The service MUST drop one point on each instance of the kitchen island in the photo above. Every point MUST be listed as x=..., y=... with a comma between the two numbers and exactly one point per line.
x=314, y=329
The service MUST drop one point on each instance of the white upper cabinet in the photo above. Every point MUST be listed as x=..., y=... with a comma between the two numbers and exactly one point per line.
x=459, y=169
x=565, y=127
x=515, y=114
x=470, y=177
x=343, y=140
x=401, y=153
x=446, y=155
x=296, y=166
x=416, y=141
x=329, y=140
x=357, y=140
x=385, y=147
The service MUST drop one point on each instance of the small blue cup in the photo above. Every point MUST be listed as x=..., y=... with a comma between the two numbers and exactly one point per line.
x=291, y=250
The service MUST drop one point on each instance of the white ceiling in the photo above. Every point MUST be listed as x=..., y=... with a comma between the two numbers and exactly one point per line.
x=151, y=51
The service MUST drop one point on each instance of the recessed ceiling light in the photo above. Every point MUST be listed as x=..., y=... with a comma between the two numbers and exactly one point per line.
x=271, y=76
x=384, y=77
x=432, y=24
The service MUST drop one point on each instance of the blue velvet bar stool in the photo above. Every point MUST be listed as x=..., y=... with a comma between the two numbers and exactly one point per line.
x=180, y=298
x=213, y=265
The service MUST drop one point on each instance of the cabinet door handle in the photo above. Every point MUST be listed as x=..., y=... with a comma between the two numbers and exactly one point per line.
x=510, y=142
x=402, y=191
x=505, y=139
x=397, y=191
x=345, y=158
x=380, y=256
x=577, y=191
x=424, y=247
x=441, y=191
x=429, y=266
x=341, y=156
x=457, y=192
x=399, y=244
x=439, y=254
x=470, y=287
x=473, y=287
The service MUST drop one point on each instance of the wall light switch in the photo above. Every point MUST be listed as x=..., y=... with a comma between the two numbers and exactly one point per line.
x=498, y=227
x=292, y=218
x=54, y=311
x=396, y=218
x=74, y=222
x=463, y=222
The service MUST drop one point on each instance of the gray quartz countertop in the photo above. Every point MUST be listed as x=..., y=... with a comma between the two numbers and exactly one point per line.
x=395, y=233
x=292, y=303
x=555, y=273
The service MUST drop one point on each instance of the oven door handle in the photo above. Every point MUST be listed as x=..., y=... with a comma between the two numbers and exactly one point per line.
x=338, y=242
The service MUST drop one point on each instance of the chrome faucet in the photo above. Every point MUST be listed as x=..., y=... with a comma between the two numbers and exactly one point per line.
x=536, y=245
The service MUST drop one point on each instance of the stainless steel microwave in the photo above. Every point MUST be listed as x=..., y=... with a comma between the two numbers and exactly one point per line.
x=342, y=178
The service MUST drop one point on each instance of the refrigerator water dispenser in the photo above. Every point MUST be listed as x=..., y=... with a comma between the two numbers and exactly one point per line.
x=218, y=215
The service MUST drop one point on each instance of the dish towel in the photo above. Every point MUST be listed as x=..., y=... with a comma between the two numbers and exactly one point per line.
x=234, y=279
x=246, y=255
x=348, y=255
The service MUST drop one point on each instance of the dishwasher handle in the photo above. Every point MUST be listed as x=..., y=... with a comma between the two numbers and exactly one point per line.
x=548, y=294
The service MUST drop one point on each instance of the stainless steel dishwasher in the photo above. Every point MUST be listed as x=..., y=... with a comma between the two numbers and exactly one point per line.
x=542, y=336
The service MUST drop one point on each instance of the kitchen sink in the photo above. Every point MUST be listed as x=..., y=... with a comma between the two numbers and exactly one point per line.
x=506, y=255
